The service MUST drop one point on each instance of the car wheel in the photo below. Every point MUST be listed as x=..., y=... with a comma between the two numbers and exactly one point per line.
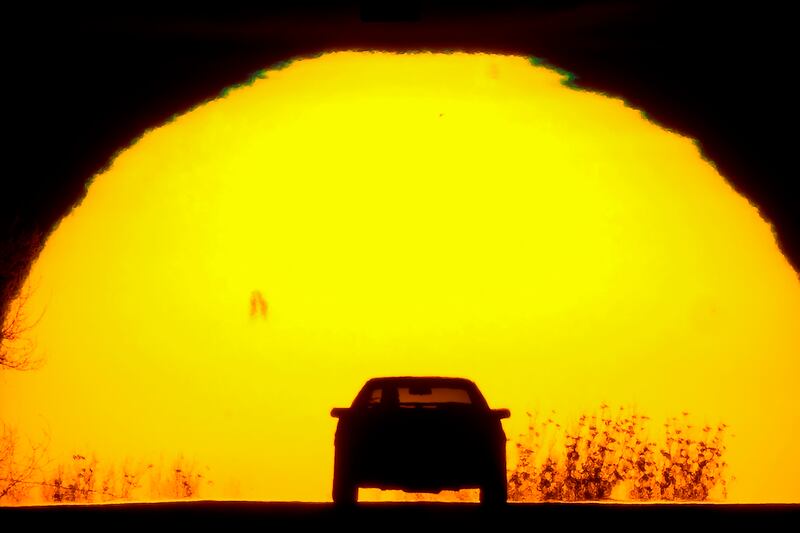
x=345, y=489
x=344, y=492
x=494, y=492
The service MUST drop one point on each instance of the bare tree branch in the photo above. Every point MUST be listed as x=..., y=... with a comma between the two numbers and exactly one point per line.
x=19, y=246
x=16, y=345
x=17, y=473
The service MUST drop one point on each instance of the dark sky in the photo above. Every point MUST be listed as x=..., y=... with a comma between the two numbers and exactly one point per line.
x=82, y=83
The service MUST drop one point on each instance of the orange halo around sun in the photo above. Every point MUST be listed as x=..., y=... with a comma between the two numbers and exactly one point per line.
x=242, y=269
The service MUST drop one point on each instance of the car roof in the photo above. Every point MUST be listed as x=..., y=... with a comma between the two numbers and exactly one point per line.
x=431, y=380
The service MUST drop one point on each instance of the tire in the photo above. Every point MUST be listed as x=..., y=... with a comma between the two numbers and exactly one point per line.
x=345, y=493
x=494, y=492
x=345, y=489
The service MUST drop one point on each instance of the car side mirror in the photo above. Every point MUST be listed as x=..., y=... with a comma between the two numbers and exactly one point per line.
x=501, y=413
x=339, y=412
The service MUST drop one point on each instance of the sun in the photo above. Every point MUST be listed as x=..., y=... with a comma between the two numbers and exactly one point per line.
x=240, y=270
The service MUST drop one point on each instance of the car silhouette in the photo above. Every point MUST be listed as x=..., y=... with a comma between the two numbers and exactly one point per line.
x=420, y=434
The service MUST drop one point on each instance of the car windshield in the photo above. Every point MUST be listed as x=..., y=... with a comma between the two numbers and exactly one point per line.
x=418, y=394
x=431, y=395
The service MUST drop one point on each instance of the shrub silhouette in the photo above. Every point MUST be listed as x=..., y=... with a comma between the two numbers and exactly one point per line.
x=600, y=456
x=607, y=454
x=84, y=481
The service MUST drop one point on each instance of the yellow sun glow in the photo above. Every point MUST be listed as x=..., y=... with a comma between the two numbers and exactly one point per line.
x=448, y=214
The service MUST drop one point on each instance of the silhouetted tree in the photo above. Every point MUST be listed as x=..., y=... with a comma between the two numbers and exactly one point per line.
x=18, y=248
x=16, y=347
x=17, y=470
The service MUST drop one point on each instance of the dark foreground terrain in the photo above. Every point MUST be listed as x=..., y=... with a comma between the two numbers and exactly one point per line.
x=411, y=517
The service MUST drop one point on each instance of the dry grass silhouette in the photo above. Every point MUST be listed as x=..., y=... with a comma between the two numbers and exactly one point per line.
x=87, y=480
x=84, y=480
x=606, y=456
x=600, y=456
